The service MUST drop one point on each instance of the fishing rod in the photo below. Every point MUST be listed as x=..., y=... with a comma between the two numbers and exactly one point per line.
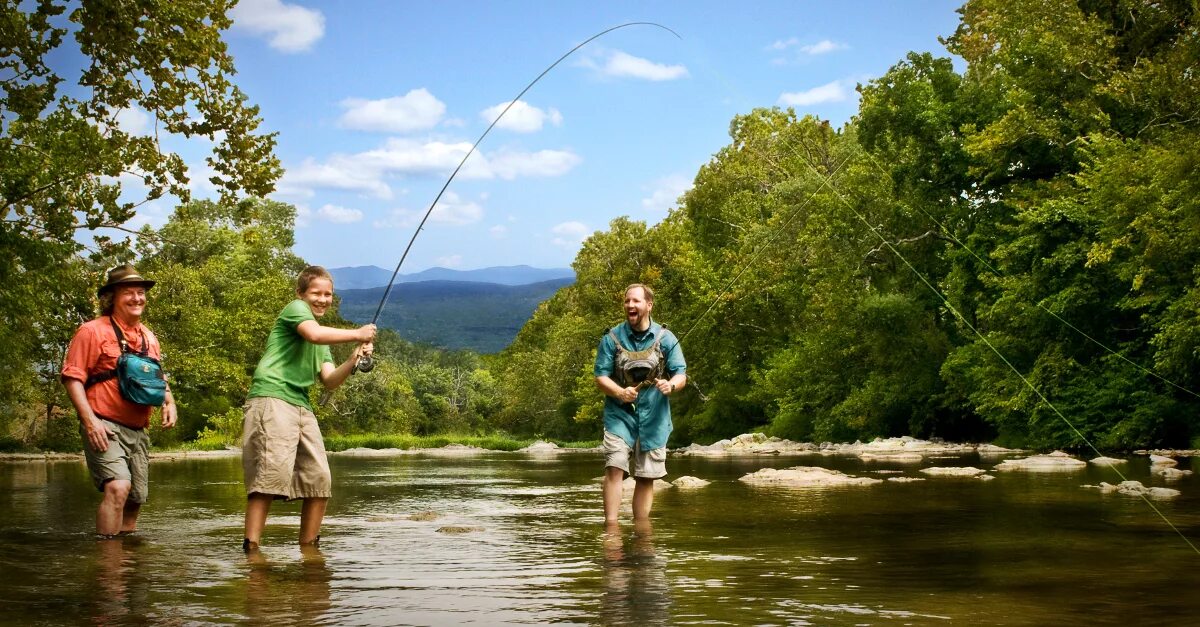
x=366, y=363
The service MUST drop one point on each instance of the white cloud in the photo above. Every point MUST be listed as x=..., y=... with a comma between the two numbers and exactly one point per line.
x=829, y=92
x=511, y=165
x=289, y=27
x=450, y=210
x=667, y=191
x=153, y=213
x=303, y=216
x=498, y=232
x=133, y=121
x=340, y=172
x=624, y=65
x=417, y=110
x=570, y=234
x=450, y=261
x=339, y=215
x=367, y=172
x=522, y=117
x=824, y=46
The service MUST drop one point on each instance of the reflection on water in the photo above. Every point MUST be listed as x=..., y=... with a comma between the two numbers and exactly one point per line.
x=636, y=591
x=287, y=591
x=506, y=539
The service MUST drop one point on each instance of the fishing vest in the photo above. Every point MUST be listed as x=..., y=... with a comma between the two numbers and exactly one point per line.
x=638, y=367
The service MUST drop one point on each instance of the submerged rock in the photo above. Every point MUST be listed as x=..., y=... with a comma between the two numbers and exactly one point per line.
x=805, y=477
x=629, y=484
x=1107, y=461
x=1170, y=474
x=457, y=529
x=905, y=479
x=540, y=447
x=1135, y=488
x=1057, y=461
x=965, y=471
x=903, y=449
x=1162, y=460
x=687, y=481
x=425, y=516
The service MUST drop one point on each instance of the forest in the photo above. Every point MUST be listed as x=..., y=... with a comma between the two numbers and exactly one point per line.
x=1002, y=245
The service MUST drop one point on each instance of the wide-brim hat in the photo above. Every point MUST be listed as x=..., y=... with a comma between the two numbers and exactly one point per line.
x=124, y=275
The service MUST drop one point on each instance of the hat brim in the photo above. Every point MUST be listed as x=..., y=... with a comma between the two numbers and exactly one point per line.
x=144, y=283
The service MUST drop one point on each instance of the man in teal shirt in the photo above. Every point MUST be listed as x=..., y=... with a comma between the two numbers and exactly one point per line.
x=638, y=365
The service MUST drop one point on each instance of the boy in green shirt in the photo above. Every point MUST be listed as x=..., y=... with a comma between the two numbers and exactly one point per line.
x=283, y=454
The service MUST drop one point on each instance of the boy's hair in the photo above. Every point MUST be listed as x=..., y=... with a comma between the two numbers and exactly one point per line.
x=646, y=291
x=308, y=274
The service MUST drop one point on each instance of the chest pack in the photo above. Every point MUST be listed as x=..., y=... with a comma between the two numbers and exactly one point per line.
x=139, y=376
x=638, y=368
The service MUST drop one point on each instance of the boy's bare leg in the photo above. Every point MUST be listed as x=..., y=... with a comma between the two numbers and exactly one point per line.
x=111, y=513
x=643, y=498
x=613, y=477
x=258, y=505
x=312, y=512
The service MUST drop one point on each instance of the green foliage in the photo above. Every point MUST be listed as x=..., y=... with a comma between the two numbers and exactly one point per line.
x=1047, y=195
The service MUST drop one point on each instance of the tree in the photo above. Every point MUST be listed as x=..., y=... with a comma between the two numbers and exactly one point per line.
x=73, y=172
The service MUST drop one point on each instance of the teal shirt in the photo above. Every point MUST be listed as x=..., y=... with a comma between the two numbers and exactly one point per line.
x=290, y=364
x=651, y=421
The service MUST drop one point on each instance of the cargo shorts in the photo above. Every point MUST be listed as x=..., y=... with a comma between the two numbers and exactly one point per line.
x=646, y=464
x=127, y=459
x=282, y=451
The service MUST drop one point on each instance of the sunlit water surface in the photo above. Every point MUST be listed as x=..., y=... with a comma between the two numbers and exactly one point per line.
x=530, y=548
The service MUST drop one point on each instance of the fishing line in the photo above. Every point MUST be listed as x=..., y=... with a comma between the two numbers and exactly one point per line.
x=753, y=257
x=996, y=272
x=980, y=335
x=366, y=363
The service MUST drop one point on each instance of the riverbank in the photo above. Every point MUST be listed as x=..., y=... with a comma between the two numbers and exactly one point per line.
x=749, y=444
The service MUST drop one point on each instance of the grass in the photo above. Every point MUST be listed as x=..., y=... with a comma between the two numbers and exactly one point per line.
x=335, y=443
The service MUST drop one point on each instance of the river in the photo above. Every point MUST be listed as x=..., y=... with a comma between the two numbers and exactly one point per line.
x=511, y=538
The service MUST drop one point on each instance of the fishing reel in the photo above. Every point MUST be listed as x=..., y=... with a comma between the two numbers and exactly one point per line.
x=365, y=364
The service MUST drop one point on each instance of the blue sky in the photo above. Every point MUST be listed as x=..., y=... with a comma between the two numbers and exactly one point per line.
x=375, y=102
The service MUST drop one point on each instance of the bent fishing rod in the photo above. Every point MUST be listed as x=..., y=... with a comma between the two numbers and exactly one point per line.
x=366, y=363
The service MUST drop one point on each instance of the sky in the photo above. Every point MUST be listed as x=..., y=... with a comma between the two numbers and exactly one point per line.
x=376, y=102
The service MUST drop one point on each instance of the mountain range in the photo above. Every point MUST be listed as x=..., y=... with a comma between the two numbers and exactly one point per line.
x=455, y=313
x=364, y=277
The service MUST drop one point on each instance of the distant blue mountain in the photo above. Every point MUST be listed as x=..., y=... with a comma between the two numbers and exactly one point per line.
x=482, y=317
x=366, y=277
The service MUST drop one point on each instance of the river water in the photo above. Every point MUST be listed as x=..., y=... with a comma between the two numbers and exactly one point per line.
x=509, y=538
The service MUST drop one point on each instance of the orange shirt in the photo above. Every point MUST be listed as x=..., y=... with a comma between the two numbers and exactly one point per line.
x=94, y=350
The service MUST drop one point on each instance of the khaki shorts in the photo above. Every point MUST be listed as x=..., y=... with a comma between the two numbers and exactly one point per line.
x=646, y=464
x=282, y=451
x=127, y=459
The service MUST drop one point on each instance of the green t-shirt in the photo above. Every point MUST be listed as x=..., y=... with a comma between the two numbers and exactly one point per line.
x=291, y=364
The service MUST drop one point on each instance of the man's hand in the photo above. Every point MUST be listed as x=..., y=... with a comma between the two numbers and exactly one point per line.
x=170, y=413
x=97, y=434
x=664, y=386
x=628, y=395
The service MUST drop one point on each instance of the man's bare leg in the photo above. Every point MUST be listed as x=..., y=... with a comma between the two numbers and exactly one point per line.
x=643, y=498
x=110, y=515
x=613, y=477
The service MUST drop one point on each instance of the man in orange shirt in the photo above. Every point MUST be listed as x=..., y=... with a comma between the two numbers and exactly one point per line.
x=116, y=445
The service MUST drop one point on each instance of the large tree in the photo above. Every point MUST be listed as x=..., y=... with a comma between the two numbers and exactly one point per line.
x=74, y=174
